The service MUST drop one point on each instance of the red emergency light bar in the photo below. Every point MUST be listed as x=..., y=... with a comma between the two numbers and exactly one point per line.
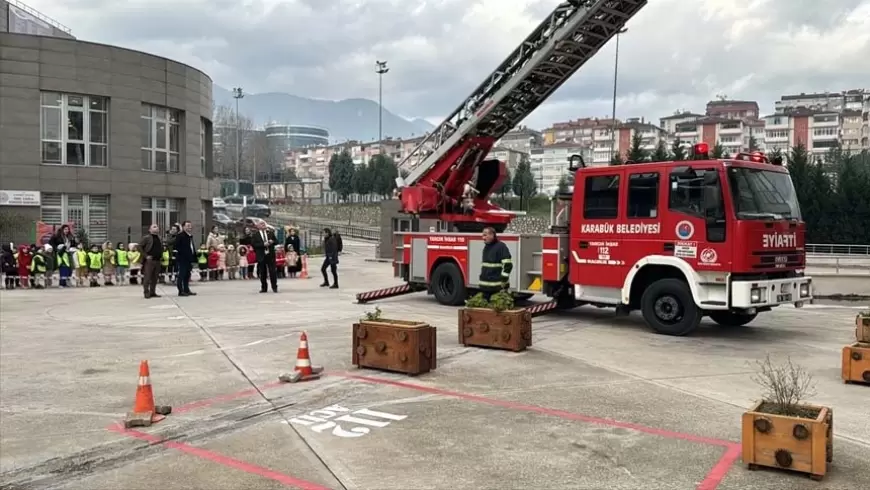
x=755, y=156
x=701, y=150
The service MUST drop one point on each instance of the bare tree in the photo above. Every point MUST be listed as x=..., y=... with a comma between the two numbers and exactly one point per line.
x=226, y=129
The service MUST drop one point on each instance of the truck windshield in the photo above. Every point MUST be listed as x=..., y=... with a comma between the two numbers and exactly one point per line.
x=763, y=194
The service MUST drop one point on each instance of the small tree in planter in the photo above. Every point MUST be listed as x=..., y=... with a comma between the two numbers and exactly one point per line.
x=394, y=345
x=862, y=327
x=781, y=430
x=495, y=322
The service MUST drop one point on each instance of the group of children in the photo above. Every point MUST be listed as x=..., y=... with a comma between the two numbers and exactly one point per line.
x=34, y=267
x=228, y=262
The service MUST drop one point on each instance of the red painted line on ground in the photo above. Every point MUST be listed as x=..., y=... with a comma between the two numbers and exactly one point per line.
x=543, y=410
x=187, y=407
x=723, y=466
x=220, y=459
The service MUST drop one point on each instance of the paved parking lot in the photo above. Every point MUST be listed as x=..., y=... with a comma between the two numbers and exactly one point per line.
x=598, y=402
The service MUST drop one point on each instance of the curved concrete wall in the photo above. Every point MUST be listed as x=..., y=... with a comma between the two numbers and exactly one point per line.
x=32, y=64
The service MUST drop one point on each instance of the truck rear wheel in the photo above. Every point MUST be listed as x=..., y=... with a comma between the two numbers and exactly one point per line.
x=447, y=285
x=668, y=307
x=731, y=319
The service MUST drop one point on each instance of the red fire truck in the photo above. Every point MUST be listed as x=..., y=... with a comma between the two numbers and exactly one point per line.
x=676, y=240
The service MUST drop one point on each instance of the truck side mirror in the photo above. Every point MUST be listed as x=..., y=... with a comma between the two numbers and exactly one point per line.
x=575, y=162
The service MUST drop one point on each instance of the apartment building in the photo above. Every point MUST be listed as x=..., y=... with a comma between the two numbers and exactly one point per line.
x=733, y=109
x=852, y=106
x=550, y=163
x=816, y=129
x=669, y=123
x=521, y=139
x=734, y=135
x=650, y=135
x=578, y=131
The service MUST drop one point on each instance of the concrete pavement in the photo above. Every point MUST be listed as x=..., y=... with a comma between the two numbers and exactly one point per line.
x=598, y=402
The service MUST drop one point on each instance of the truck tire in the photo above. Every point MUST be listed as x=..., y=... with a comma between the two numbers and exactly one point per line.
x=731, y=319
x=447, y=285
x=669, y=309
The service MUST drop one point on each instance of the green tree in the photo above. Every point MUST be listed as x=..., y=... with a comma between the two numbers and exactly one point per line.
x=289, y=175
x=523, y=183
x=718, y=151
x=616, y=159
x=661, y=153
x=383, y=175
x=505, y=187
x=342, y=173
x=333, y=160
x=362, y=180
x=636, y=153
x=753, y=144
x=563, y=184
x=677, y=151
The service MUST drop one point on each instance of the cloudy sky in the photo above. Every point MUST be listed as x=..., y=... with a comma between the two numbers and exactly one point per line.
x=677, y=54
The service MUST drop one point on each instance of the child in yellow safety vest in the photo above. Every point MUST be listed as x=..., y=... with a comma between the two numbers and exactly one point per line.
x=109, y=262
x=164, y=265
x=80, y=262
x=123, y=263
x=63, y=264
x=37, y=269
x=95, y=265
x=135, y=258
x=202, y=261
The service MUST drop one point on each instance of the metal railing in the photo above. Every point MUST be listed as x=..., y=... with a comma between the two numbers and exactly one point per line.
x=840, y=264
x=837, y=249
x=39, y=15
x=346, y=231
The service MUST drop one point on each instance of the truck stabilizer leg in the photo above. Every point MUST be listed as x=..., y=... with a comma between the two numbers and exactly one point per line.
x=377, y=294
x=543, y=308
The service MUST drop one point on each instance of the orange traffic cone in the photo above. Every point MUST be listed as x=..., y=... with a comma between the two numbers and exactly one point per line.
x=304, y=273
x=303, y=359
x=144, y=412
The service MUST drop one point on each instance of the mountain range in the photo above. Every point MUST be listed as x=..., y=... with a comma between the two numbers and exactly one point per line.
x=349, y=119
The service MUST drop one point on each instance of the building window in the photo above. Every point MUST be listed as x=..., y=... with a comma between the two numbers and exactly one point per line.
x=601, y=199
x=202, y=146
x=161, y=210
x=161, y=133
x=74, y=129
x=643, y=195
x=84, y=211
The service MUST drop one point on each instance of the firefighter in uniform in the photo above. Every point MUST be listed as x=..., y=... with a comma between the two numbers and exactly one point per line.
x=496, y=264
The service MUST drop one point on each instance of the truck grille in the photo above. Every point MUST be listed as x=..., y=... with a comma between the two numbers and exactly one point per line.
x=780, y=259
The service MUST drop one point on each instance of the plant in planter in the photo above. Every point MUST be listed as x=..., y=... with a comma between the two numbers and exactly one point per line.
x=495, y=322
x=393, y=345
x=862, y=327
x=781, y=430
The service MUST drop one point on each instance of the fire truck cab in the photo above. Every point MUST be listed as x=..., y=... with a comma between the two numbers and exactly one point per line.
x=681, y=240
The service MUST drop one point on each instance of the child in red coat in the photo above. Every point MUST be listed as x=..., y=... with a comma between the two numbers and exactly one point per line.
x=213, y=258
x=252, y=262
x=280, y=261
x=24, y=259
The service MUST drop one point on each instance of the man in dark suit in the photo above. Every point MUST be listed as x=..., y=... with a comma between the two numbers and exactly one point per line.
x=185, y=256
x=264, y=241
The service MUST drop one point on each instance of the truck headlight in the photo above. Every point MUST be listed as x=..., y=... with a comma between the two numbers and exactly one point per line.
x=755, y=295
x=805, y=290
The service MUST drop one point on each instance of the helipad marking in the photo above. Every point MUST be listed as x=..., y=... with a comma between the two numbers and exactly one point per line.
x=321, y=418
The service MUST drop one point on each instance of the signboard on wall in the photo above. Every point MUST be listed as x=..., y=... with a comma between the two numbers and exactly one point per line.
x=23, y=22
x=20, y=198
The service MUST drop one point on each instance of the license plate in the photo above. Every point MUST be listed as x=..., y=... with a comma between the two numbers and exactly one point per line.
x=780, y=298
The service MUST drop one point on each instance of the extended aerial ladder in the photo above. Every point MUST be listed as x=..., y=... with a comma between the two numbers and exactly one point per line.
x=434, y=176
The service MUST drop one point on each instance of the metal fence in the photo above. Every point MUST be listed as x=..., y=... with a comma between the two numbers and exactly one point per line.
x=837, y=249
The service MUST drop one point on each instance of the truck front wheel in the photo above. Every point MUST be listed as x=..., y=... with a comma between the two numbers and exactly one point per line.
x=731, y=319
x=447, y=285
x=668, y=307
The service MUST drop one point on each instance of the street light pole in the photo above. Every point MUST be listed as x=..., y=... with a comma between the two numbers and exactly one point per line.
x=381, y=70
x=615, y=76
x=238, y=93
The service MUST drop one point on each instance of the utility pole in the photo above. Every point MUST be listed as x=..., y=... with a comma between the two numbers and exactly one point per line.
x=381, y=70
x=238, y=93
x=615, y=76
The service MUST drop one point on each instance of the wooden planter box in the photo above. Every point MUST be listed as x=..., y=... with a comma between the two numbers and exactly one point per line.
x=394, y=345
x=862, y=329
x=799, y=444
x=483, y=327
x=856, y=363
